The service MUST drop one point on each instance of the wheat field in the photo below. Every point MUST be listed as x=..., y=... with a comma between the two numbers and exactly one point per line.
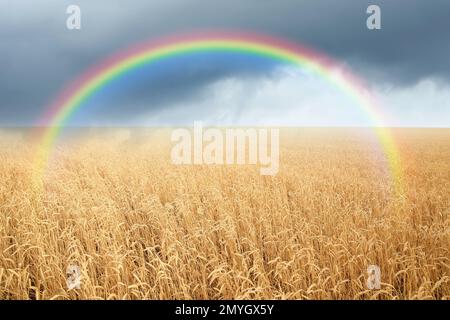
x=140, y=227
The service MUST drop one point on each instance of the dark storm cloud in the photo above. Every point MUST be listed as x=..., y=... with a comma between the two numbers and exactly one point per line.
x=38, y=56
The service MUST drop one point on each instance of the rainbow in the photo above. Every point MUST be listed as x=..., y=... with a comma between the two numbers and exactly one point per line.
x=76, y=94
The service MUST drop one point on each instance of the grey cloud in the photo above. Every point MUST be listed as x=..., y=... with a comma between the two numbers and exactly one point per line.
x=38, y=56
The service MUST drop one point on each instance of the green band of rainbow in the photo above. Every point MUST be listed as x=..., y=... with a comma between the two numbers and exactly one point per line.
x=86, y=86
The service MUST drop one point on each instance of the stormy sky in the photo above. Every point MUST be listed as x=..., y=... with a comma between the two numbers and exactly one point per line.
x=406, y=63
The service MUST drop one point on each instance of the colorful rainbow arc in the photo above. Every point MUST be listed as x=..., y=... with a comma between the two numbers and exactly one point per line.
x=87, y=85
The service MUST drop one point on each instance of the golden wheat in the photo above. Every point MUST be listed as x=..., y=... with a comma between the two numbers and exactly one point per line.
x=142, y=228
